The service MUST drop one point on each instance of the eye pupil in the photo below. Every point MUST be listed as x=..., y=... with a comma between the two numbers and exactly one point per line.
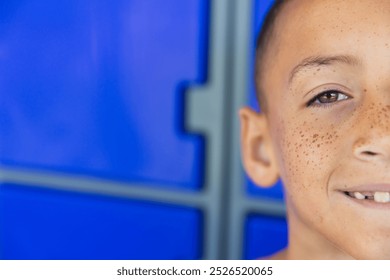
x=328, y=97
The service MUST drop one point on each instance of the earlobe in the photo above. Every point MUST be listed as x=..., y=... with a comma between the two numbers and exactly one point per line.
x=256, y=148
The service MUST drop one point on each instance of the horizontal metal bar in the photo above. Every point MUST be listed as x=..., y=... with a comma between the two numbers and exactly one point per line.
x=93, y=185
x=271, y=207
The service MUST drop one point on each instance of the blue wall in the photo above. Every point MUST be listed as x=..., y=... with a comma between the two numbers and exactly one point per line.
x=97, y=88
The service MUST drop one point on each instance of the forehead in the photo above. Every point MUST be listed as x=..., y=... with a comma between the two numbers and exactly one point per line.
x=328, y=27
x=305, y=22
x=318, y=14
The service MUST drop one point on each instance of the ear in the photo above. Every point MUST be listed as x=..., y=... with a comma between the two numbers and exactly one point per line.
x=256, y=148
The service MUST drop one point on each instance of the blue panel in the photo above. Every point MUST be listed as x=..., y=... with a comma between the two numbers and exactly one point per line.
x=97, y=87
x=47, y=224
x=259, y=11
x=264, y=236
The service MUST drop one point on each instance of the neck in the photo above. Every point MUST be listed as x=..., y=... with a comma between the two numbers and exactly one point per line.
x=306, y=243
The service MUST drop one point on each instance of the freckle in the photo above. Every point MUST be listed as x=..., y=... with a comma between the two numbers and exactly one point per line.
x=365, y=90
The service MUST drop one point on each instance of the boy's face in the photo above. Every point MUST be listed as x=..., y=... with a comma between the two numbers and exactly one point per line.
x=327, y=84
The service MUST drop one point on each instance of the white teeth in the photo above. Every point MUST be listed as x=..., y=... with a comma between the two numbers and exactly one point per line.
x=358, y=195
x=382, y=197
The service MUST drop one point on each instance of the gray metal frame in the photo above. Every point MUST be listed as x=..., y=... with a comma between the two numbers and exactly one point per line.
x=240, y=203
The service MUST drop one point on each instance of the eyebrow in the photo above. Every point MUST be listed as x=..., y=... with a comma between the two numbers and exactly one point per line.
x=315, y=61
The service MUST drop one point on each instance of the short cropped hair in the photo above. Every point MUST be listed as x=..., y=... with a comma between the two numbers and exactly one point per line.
x=262, y=45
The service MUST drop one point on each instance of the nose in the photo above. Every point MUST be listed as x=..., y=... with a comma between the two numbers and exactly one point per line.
x=373, y=148
x=373, y=141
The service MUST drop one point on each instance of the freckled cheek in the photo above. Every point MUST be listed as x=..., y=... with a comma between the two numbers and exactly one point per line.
x=306, y=155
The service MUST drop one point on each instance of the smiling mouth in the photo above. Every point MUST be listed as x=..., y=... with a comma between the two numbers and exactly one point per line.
x=380, y=197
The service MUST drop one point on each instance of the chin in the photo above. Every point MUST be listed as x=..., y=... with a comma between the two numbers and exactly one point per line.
x=370, y=251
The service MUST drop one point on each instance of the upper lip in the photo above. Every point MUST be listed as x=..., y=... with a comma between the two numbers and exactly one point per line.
x=368, y=188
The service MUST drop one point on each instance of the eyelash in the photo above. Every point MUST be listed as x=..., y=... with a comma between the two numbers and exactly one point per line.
x=314, y=102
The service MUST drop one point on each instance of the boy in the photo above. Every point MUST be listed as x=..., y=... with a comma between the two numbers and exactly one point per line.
x=323, y=79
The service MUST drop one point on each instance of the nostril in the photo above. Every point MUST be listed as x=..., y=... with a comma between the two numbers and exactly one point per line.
x=369, y=153
x=370, y=149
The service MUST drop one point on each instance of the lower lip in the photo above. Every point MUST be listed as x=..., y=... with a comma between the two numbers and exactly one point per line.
x=367, y=202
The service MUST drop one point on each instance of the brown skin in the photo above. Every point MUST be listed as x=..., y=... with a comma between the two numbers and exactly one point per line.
x=338, y=142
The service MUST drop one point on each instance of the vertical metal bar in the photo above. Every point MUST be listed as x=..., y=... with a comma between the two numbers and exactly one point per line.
x=241, y=76
x=206, y=112
x=240, y=203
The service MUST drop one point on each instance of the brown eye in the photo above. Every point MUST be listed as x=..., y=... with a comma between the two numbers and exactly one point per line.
x=327, y=97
